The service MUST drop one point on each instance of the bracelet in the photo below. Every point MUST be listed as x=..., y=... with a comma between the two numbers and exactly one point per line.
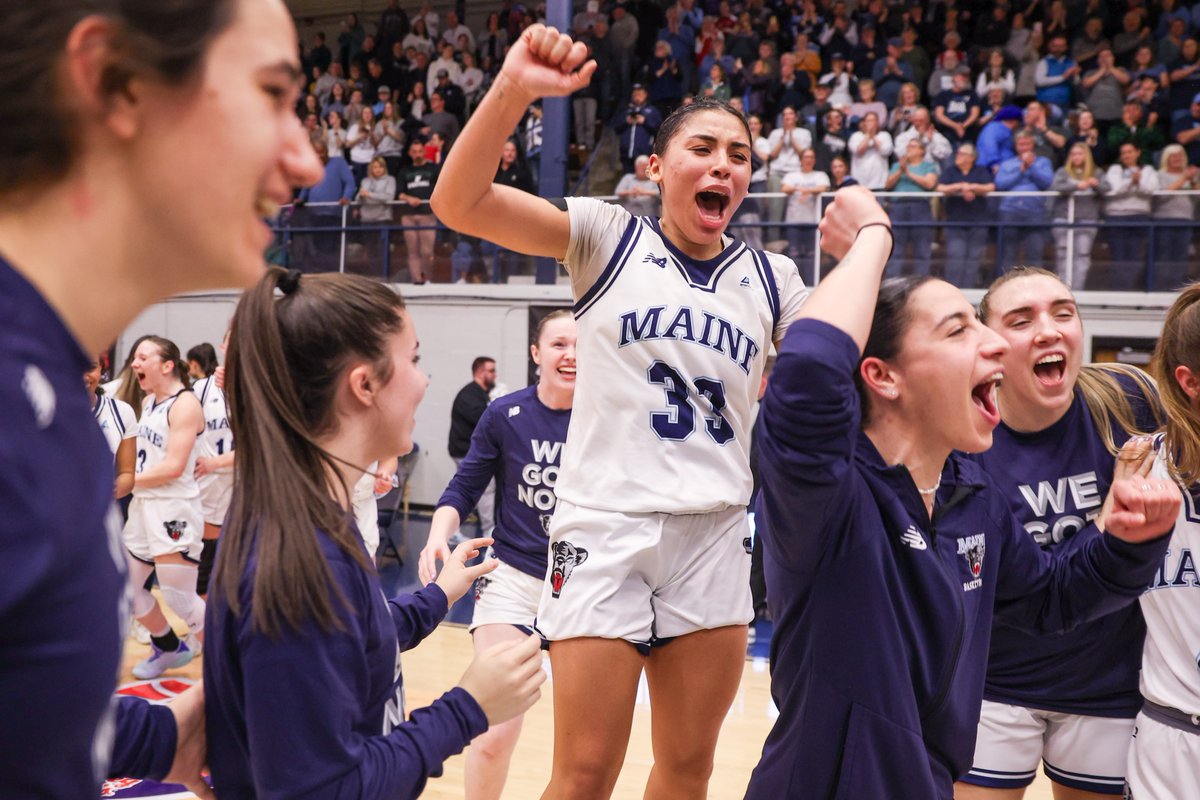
x=888, y=227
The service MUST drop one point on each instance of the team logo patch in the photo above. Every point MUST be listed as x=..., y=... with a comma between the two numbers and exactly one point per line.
x=565, y=557
x=480, y=585
x=913, y=538
x=971, y=548
x=156, y=691
x=652, y=259
x=175, y=529
x=744, y=281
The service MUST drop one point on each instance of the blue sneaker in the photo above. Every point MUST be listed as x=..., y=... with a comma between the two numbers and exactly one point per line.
x=160, y=661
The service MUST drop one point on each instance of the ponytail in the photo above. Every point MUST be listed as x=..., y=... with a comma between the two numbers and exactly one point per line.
x=285, y=360
x=1178, y=346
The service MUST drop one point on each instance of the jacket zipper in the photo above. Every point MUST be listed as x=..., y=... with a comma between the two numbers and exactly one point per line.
x=940, y=697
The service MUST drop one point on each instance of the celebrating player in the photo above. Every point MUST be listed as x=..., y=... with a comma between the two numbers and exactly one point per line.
x=1166, y=745
x=118, y=422
x=304, y=692
x=888, y=552
x=103, y=215
x=518, y=442
x=649, y=540
x=1052, y=456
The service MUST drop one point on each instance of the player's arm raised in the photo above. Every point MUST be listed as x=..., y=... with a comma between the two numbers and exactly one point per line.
x=542, y=63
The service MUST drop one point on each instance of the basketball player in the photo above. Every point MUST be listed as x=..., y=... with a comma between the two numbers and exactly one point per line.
x=118, y=423
x=165, y=527
x=1166, y=740
x=649, y=541
x=302, y=674
x=1052, y=456
x=518, y=443
x=214, y=466
x=95, y=202
x=886, y=552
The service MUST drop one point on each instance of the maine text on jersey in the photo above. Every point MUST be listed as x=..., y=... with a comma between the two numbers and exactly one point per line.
x=715, y=332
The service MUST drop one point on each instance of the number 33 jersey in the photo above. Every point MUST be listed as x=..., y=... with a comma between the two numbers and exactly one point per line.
x=671, y=353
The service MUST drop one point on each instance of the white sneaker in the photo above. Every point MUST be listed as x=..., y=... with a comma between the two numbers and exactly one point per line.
x=160, y=661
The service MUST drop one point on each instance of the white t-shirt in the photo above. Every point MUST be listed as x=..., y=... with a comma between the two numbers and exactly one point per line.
x=364, y=151
x=870, y=168
x=671, y=353
x=803, y=207
x=788, y=159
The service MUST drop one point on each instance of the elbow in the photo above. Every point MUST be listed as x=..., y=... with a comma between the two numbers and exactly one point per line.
x=443, y=207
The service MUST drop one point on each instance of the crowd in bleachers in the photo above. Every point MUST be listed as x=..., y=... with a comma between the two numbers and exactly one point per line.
x=950, y=101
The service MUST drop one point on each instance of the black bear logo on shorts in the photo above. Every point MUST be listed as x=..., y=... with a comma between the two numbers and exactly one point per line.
x=480, y=585
x=565, y=557
x=175, y=529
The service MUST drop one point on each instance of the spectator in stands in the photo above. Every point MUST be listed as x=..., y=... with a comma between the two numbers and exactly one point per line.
x=890, y=73
x=718, y=55
x=716, y=85
x=667, y=78
x=350, y=40
x=908, y=101
x=803, y=187
x=1104, y=89
x=1057, y=74
x=418, y=71
x=1169, y=46
x=1056, y=22
x=1019, y=38
x=1134, y=34
x=584, y=22
x=992, y=29
x=393, y=24
x=418, y=106
x=866, y=53
x=468, y=406
x=956, y=110
x=452, y=95
x=943, y=77
x=681, y=39
x=1127, y=210
x=759, y=76
x=1027, y=68
x=1022, y=238
x=638, y=193
x=1078, y=178
x=1173, y=240
x=1083, y=125
x=867, y=102
x=831, y=139
x=914, y=174
x=439, y=120
x=319, y=250
x=493, y=39
x=839, y=173
x=443, y=63
x=1147, y=65
x=1185, y=76
x=419, y=38
x=389, y=137
x=995, y=142
x=1049, y=140
x=786, y=142
x=937, y=148
x=471, y=81
x=383, y=96
x=1186, y=131
x=870, y=151
x=811, y=114
x=794, y=87
x=1153, y=100
x=416, y=183
x=915, y=56
x=1087, y=44
x=335, y=135
x=454, y=29
x=336, y=100
x=374, y=198
x=320, y=55
x=361, y=141
x=966, y=186
x=354, y=107
x=997, y=74
x=637, y=127
x=842, y=84
x=992, y=105
x=1132, y=128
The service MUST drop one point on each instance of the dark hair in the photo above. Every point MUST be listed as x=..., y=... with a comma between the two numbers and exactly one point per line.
x=672, y=124
x=480, y=362
x=282, y=372
x=888, y=326
x=1178, y=345
x=205, y=355
x=170, y=352
x=163, y=39
x=558, y=313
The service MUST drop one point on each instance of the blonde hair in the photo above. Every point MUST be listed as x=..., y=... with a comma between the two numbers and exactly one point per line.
x=1167, y=152
x=1178, y=345
x=1089, y=164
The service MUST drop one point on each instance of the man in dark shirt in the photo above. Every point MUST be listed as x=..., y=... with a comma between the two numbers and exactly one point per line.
x=439, y=120
x=469, y=405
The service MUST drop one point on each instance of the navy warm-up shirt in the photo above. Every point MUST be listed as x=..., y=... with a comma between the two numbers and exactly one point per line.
x=518, y=441
x=1055, y=481
x=319, y=714
x=62, y=573
x=882, y=617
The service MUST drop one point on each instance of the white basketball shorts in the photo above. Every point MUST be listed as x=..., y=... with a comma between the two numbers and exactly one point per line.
x=506, y=596
x=161, y=526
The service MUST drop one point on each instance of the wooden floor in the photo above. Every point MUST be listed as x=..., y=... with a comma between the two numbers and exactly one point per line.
x=436, y=664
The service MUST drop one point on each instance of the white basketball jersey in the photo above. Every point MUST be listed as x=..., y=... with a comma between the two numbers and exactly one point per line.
x=153, y=431
x=671, y=354
x=116, y=420
x=1171, y=605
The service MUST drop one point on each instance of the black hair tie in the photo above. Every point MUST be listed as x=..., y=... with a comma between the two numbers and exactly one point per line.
x=289, y=281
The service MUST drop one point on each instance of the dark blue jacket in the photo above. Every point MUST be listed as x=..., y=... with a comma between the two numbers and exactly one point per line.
x=882, y=617
x=319, y=714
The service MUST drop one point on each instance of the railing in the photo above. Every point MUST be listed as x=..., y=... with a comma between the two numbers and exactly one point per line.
x=1145, y=253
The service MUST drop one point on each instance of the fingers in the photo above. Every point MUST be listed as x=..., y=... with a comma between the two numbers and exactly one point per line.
x=427, y=562
x=576, y=56
x=201, y=789
x=470, y=548
x=1143, y=508
x=483, y=568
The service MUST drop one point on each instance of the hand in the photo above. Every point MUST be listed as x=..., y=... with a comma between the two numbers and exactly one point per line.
x=851, y=209
x=203, y=466
x=1138, y=507
x=504, y=679
x=543, y=62
x=436, y=549
x=457, y=577
x=413, y=201
x=219, y=377
x=968, y=195
x=190, y=747
x=342, y=201
x=383, y=483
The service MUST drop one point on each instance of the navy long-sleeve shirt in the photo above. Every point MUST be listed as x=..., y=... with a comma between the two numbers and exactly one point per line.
x=319, y=714
x=519, y=442
x=882, y=616
x=62, y=574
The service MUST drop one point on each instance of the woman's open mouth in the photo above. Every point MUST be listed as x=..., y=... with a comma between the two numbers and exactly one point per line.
x=712, y=205
x=984, y=397
x=1050, y=369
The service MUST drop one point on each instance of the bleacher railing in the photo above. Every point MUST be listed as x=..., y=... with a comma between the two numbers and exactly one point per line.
x=1159, y=251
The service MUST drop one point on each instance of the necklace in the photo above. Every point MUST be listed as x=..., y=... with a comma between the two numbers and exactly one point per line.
x=931, y=490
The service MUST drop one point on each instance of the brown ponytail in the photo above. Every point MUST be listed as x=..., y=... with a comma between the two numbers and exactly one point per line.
x=285, y=359
x=1179, y=345
x=169, y=351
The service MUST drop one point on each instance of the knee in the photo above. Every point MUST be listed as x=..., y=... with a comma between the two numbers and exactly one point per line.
x=497, y=745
